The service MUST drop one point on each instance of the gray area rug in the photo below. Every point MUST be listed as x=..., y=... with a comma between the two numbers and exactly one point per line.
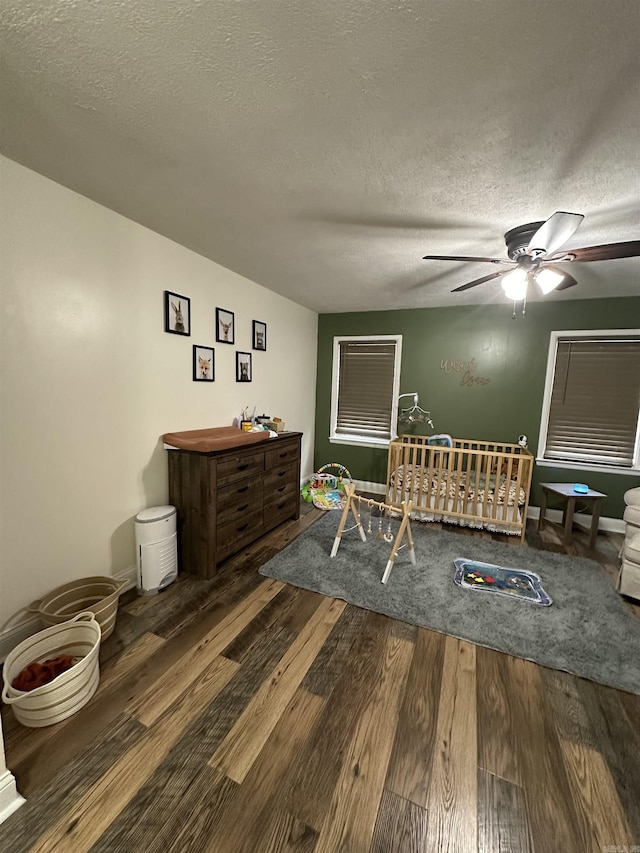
x=586, y=631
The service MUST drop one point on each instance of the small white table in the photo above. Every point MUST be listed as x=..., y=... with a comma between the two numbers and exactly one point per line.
x=565, y=492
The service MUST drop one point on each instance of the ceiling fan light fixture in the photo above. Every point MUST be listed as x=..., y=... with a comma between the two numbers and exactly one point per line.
x=548, y=280
x=515, y=284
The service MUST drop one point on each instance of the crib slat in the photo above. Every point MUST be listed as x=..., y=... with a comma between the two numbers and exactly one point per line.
x=391, y=467
x=478, y=458
x=500, y=468
x=408, y=482
x=488, y=463
x=418, y=480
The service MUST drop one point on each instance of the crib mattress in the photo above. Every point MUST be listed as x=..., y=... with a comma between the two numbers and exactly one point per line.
x=456, y=488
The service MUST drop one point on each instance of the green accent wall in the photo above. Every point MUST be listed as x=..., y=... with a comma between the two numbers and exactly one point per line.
x=510, y=353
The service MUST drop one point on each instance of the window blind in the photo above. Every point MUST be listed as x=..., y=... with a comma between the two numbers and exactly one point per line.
x=595, y=402
x=365, y=388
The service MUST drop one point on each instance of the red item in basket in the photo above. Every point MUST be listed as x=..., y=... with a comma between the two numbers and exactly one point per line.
x=36, y=674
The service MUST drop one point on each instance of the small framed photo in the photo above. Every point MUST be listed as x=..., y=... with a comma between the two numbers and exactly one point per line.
x=177, y=313
x=203, y=364
x=243, y=367
x=259, y=335
x=225, y=328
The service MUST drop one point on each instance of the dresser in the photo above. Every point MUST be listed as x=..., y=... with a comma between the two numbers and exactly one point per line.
x=227, y=499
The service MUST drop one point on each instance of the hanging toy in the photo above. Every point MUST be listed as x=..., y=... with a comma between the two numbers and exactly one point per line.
x=353, y=504
x=388, y=536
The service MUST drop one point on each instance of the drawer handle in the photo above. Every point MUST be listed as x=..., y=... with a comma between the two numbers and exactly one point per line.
x=243, y=467
x=282, y=488
x=242, y=527
x=282, y=474
x=284, y=455
x=243, y=489
x=281, y=504
x=241, y=508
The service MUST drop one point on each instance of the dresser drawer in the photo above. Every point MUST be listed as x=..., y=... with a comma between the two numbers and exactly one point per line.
x=280, y=509
x=276, y=456
x=236, y=467
x=232, y=536
x=286, y=474
x=236, y=499
x=283, y=490
x=279, y=491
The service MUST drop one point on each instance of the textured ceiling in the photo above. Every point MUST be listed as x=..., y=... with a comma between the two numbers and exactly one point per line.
x=321, y=149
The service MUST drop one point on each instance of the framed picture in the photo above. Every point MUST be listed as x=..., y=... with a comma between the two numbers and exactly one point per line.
x=225, y=329
x=203, y=364
x=177, y=313
x=259, y=335
x=243, y=367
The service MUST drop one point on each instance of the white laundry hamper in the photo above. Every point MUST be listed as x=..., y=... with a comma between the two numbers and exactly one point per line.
x=69, y=691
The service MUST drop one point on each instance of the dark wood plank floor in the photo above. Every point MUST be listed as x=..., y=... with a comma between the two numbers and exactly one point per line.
x=240, y=714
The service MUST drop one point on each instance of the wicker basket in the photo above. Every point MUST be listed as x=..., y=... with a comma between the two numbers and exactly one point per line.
x=69, y=691
x=98, y=594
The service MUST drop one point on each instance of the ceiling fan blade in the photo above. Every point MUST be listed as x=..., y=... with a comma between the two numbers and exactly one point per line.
x=481, y=280
x=466, y=258
x=568, y=281
x=554, y=233
x=608, y=252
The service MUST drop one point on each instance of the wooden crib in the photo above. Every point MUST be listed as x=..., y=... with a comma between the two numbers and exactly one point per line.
x=472, y=483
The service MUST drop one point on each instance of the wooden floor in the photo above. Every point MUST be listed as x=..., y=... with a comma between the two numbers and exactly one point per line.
x=242, y=714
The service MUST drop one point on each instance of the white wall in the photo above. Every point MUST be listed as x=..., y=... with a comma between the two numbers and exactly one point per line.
x=90, y=380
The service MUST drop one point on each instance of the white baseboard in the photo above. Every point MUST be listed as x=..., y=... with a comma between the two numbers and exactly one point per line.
x=612, y=525
x=367, y=486
x=10, y=799
x=30, y=624
x=131, y=577
x=361, y=485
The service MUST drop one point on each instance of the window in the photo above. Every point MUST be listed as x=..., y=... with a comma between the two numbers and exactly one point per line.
x=591, y=410
x=365, y=387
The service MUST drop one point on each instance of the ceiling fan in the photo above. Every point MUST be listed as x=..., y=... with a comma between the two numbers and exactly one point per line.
x=533, y=250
